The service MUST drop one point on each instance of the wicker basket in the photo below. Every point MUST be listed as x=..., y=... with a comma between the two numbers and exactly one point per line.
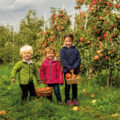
x=75, y=79
x=45, y=91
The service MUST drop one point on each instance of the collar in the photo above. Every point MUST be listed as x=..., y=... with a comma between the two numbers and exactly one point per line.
x=27, y=62
x=51, y=61
x=70, y=47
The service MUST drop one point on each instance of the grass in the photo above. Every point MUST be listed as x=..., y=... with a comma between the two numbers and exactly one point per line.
x=96, y=102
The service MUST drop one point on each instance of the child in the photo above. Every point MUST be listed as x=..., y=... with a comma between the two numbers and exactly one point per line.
x=51, y=72
x=26, y=69
x=70, y=58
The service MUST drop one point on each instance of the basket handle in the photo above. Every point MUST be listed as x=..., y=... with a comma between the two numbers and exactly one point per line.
x=72, y=72
x=41, y=83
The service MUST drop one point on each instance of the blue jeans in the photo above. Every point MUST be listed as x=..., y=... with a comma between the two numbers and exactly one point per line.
x=56, y=91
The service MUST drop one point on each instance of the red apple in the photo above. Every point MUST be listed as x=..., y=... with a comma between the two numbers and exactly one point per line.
x=112, y=25
x=98, y=31
x=105, y=35
x=110, y=4
x=96, y=57
x=100, y=18
x=117, y=6
x=99, y=52
x=76, y=6
x=81, y=39
x=68, y=75
x=94, y=27
x=114, y=35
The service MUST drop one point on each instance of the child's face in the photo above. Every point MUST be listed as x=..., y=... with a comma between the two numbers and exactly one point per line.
x=68, y=42
x=50, y=55
x=26, y=55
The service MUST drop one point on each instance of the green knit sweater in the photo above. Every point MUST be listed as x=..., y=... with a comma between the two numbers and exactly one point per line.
x=25, y=72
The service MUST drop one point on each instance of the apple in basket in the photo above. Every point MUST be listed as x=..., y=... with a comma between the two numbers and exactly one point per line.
x=68, y=76
x=77, y=76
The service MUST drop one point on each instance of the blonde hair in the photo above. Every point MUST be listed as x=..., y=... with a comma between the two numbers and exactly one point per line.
x=26, y=48
x=49, y=49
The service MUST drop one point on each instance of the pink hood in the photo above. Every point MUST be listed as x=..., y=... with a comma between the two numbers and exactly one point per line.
x=51, y=72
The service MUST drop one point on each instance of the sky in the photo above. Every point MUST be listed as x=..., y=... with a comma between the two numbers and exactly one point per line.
x=12, y=11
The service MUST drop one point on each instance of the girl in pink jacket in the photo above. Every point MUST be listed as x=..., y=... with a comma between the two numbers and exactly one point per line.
x=51, y=72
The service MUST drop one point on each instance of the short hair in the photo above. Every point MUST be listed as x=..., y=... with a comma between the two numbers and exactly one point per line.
x=26, y=48
x=69, y=35
x=49, y=49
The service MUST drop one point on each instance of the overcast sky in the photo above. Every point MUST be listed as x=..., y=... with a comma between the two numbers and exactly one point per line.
x=12, y=11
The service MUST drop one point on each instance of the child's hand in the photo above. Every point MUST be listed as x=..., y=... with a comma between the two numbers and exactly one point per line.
x=14, y=80
x=39, y=82
x=72, y=70
x=43, y=82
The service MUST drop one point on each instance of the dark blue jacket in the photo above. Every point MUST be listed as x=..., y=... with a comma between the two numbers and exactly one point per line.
x=70, y=58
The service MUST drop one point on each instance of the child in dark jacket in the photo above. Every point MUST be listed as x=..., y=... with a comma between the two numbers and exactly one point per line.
x=51, y=72
x=71, y=60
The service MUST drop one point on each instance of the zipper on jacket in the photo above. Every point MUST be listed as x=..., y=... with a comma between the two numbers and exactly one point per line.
x=50, y=71
x=29, y=72
x=57, y=75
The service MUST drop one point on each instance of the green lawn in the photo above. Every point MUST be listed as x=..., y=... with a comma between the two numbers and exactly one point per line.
x=96, y=102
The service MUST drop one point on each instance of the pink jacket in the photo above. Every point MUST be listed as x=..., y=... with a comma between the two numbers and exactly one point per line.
x=51, y=72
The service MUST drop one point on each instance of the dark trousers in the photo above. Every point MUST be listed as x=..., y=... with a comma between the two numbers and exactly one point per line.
x=27, y=88
x=56, y=91
x=67, y=91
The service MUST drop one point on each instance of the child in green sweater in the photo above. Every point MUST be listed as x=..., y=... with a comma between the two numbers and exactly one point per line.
x=26, y=69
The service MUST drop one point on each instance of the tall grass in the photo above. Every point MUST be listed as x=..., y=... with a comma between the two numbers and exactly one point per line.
x=96, y=102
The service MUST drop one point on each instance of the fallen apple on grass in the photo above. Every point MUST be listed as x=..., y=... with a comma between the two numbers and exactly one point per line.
x=2, y=112
x=75, y=108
